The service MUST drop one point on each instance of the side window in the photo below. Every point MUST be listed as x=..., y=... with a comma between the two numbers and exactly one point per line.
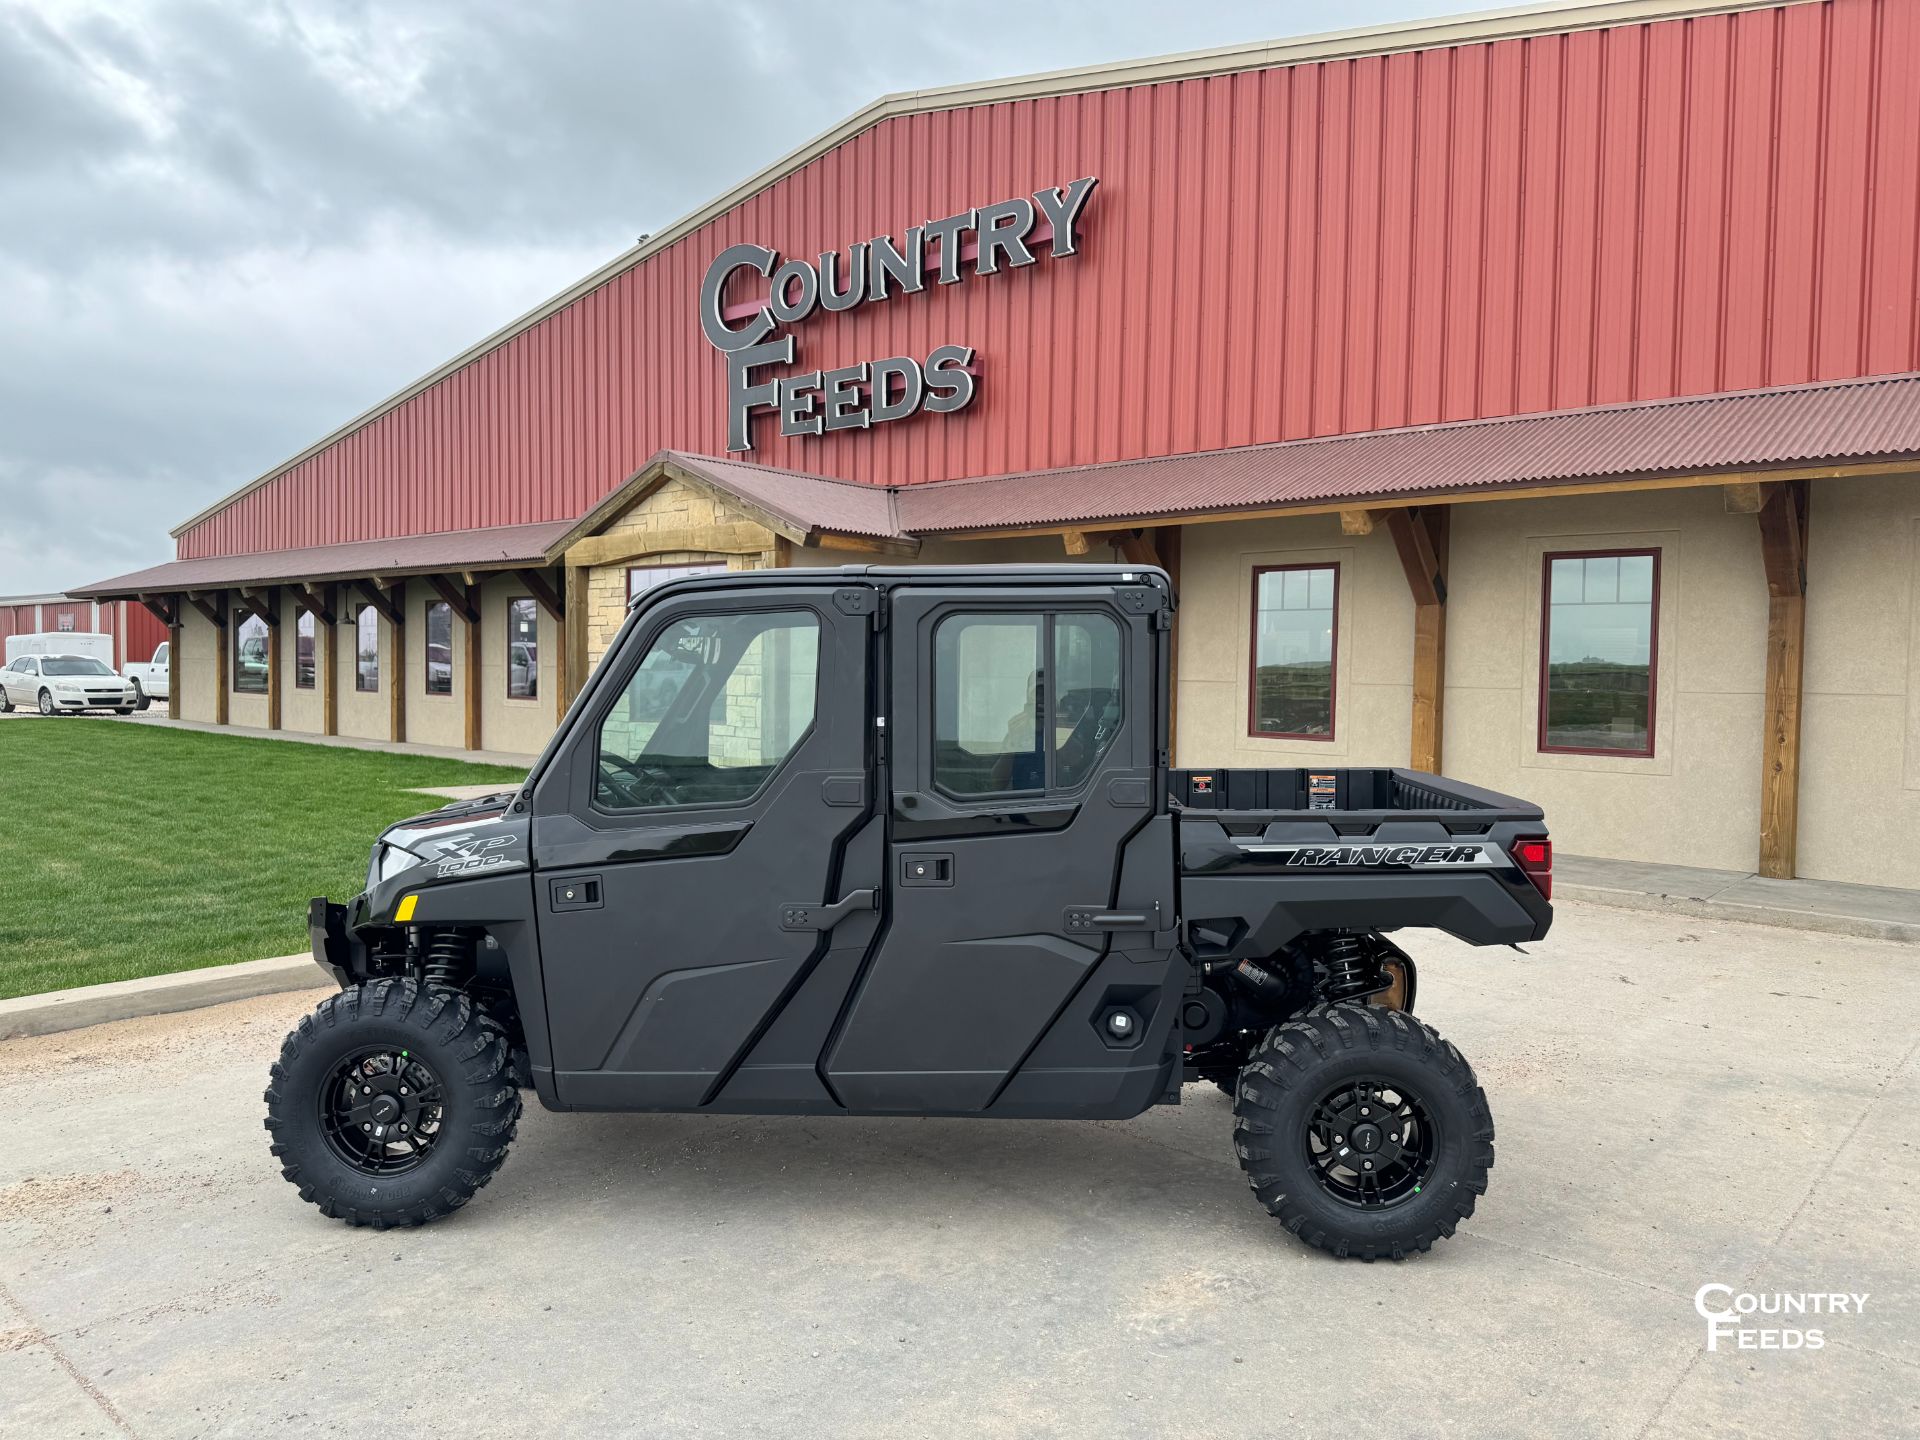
x=366, y=659
x=523, y=650
x=1599, y=638
x=1295, y=640
x=250, y=641
x=160, y=655
x=440, y=648
x=714, y=707
x=303, y=643
x=1023, y=703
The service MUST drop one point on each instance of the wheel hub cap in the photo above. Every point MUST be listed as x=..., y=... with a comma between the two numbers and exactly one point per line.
x=381, y=1111
x=1371, y=1143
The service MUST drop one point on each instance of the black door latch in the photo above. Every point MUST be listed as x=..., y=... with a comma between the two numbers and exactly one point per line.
x=806, y=915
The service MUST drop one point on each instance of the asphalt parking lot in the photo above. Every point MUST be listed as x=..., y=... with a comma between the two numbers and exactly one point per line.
x=1677, y=1104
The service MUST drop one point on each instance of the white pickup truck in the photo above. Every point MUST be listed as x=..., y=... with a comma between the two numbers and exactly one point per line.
x=149, y=678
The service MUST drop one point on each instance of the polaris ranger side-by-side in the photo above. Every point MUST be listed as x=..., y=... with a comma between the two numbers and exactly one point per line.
x=905, y=841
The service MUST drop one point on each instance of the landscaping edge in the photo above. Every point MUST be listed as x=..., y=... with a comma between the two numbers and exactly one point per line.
x=86, y=1005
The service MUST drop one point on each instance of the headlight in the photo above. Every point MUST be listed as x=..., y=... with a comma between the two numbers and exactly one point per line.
x=392, y=861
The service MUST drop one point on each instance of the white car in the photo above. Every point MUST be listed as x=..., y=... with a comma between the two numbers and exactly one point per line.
x=56, y=684
x=151, y=679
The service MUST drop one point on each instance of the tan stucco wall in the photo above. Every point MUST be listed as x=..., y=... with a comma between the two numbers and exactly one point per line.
x=1373, y=653
x=362, y=714
x=1860, y=737
x=520, y=726
x=192, y=668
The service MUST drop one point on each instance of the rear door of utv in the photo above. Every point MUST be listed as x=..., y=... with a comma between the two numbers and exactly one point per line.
x=709, y=803
x=1025, y=964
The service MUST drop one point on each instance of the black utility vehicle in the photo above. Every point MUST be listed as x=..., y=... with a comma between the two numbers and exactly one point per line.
x=883, y=841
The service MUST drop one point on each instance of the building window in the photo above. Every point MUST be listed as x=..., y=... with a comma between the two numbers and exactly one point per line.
x=523, y=650
x=645, y=577
x=366, y=663
x=1599, y=642
x=1296, y=632
x=303, y=643
x=440, y=649
x=1008, y=722
x=249, y=653
x=717, y=703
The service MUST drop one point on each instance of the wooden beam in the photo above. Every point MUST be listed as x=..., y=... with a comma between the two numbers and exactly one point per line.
x=782, y=552
x=1745, y=497
x=168, y=614
x=271, y=614
x=379, y=598
x=327, y=641
x=1356, y=522
x=1422, y=538
x=316, y=600
x=215, y=612
x=866, y=544
x=458, y=600
x=575, y=672
x=397, y=685
x=556, y=679
x=1076, y=541
x=1783, y=551
x=739, y=538
x=174, y=668
x=1136, y=547
x=541, y=591
x=473, y=626
x=261, y=606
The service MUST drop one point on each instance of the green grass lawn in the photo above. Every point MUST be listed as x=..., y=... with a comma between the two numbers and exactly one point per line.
x=127, y=850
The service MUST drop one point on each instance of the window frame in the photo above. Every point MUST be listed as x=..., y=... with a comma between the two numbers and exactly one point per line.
x=616, y=694
x=1254, y=732
x=238, y=622
x=1653, y=652
x=507, y=679
x=306, y=617
x=360, y=686
x=1049, y=616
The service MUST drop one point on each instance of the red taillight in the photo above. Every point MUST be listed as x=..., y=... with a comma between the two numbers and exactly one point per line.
x=1536, y=859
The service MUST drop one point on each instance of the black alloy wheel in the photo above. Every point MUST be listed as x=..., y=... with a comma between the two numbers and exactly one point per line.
x=381, y=1111
x=1362, y=1131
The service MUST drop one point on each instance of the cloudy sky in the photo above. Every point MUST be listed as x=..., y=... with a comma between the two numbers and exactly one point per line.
x=227, y=228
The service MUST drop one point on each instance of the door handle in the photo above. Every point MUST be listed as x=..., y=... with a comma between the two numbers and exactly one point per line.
x=806, y=915
x=1086, y=918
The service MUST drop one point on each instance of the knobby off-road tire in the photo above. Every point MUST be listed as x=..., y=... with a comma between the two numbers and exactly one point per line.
x=1324, y=1064
x=390, y=1032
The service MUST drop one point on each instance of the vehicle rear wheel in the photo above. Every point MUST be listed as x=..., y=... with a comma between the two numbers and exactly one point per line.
x=1362, y=1131
x=46, y=702
x=6, y=701
x=392, y=1105
x=140, y=699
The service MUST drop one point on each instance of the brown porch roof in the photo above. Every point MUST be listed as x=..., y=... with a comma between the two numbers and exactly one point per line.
x=505, y=547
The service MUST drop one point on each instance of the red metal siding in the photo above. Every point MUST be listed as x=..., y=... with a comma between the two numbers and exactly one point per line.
x=1673, y=208
x=141, y=632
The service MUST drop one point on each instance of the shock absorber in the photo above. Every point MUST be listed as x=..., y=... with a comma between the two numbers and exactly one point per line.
x=449, y=960
x=1351, y=970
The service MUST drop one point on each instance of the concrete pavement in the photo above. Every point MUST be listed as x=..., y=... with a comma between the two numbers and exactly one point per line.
x=1678, y=1103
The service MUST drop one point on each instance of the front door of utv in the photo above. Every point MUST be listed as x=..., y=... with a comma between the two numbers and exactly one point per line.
x=1024, y=967
x=695, y=837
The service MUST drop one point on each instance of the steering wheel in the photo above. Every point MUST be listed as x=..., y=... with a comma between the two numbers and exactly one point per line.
x=629, y=785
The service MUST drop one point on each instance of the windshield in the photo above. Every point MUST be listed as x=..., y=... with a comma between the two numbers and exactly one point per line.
x=72, y=665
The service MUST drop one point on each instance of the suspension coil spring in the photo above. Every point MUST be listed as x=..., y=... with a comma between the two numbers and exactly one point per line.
x=1351, y=971
x=449, y=960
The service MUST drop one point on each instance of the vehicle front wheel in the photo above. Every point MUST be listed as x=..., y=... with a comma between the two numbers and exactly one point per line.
x=46, y=702
x=1362, y=1131
x=140, y=699
x=392, y=1105
x=6, y=701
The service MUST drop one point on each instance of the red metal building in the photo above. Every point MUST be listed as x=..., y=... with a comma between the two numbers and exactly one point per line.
x=1297, y=257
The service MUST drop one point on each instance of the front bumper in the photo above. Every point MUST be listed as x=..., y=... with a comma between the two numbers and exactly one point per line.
x=335, y=949
x=78, y=703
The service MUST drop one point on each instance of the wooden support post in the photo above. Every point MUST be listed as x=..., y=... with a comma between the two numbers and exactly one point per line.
x=174, y=670
x=1783, y=551
x=473, y=613
x=1136, y=547
x=325, y=625
x=574, y=637
x=221, y=627
x=1166, y=546
x=397, y=688
x=1421, y=537
x=271, y=614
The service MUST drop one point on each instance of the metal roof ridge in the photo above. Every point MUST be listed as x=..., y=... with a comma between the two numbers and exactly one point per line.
x=1435, y=32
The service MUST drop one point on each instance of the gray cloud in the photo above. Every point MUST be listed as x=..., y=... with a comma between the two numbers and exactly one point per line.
x=225, y=228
